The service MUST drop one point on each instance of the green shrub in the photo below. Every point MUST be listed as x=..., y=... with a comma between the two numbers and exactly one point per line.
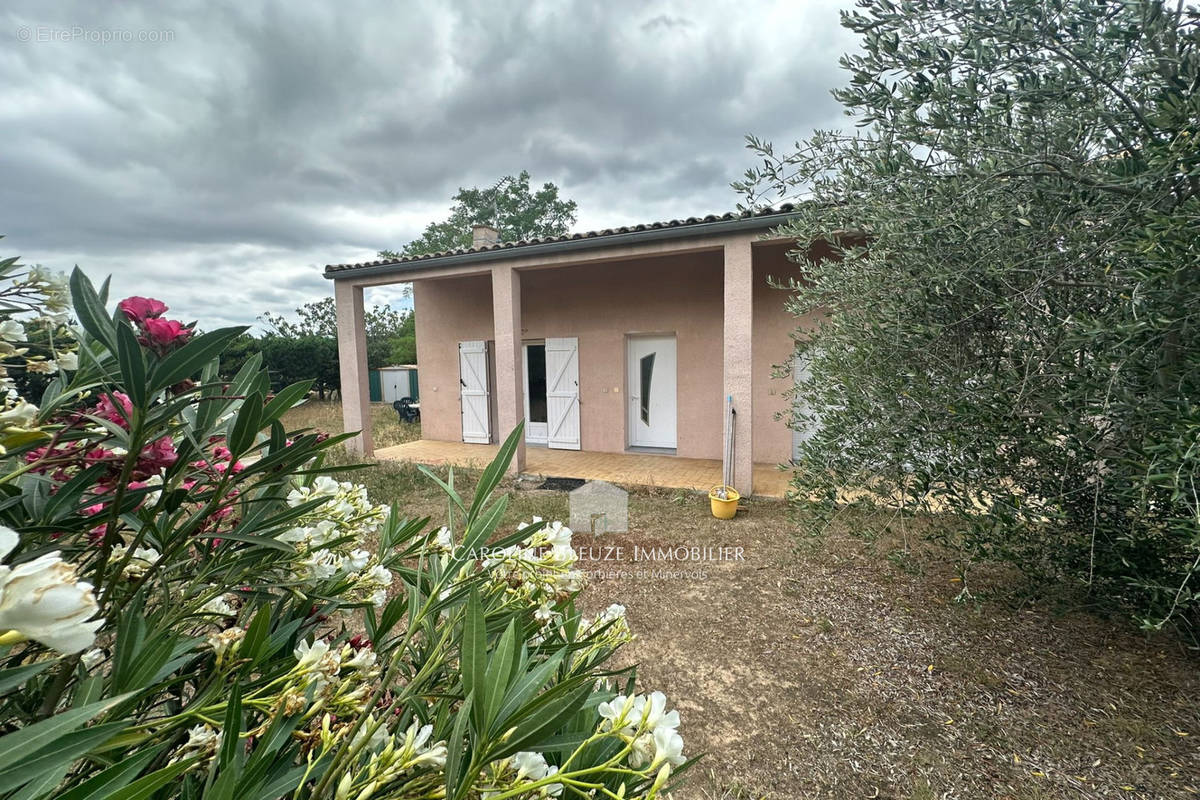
x=1009, y=251
x=192, y=606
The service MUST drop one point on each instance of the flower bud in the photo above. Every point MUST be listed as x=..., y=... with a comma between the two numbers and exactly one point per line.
x=343, y=789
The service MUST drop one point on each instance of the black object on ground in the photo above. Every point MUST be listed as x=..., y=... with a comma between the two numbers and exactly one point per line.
x=562, y=484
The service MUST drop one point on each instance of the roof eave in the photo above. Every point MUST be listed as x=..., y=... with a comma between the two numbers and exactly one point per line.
x=544, y=248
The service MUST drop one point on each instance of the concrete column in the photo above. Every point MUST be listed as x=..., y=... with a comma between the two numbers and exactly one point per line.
x=510, y=394
x=352, y=364
x=738, y=339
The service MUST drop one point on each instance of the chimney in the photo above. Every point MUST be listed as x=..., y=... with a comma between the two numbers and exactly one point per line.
x=484, y=236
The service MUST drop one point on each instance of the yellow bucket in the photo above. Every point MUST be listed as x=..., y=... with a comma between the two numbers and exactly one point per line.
x=724, y=509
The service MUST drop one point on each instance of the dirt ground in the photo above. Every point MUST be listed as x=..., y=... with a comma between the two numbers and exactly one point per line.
x=826, y=669
x=837, y=668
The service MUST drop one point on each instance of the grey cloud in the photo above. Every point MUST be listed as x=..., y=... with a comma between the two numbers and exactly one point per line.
x=222, y=167
x=662, y=21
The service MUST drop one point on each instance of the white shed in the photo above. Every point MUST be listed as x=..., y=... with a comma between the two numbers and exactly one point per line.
x=399, y=381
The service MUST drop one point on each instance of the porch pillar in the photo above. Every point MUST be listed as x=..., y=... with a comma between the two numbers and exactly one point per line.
x=738, y=339
x=352, y=366
x=510, y=396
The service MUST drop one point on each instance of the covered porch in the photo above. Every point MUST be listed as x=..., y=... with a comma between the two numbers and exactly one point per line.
x=628, y=469
x=621, y=351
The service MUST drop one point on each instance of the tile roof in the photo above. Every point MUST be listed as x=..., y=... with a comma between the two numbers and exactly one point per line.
x=759, y=216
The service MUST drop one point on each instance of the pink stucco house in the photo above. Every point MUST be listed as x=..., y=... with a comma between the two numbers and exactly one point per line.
x=621, y=340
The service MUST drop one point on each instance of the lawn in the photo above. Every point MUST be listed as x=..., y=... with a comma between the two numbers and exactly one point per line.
x=327, y=416
x=846, y=668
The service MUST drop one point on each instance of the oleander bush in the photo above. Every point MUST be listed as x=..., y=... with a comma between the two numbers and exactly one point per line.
x=193, y=603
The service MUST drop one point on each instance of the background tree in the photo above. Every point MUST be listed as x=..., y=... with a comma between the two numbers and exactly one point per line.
x=510, y=205
x=404, y=344
x=319, y=318
x=305, y=348
x=1021, y=334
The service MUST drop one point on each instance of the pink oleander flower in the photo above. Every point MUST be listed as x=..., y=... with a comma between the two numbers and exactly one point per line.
x=140, y=309
x=106, y=409
x=157, y=456
x=163, y=334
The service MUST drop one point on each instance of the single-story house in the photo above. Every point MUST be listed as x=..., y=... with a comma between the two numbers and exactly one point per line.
x=627, y=340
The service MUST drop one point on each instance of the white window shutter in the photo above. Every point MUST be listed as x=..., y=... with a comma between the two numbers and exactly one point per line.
x=473, y=390
x=562, y=392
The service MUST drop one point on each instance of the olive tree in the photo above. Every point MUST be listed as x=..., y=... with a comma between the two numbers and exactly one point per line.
x=1013, y=332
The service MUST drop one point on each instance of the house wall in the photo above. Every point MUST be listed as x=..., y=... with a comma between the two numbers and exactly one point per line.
x=449, y=311
x=601, y=305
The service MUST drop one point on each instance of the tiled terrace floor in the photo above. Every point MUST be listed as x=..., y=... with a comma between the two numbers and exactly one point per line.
x=699, y=474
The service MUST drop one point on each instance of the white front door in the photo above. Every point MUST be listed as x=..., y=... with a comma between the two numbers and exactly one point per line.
x=651, y=391
x=536, y=421
x=473, y=389
x=562, y=393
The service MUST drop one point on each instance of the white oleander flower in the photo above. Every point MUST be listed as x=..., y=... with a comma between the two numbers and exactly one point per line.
x=618, y=714
x=152, y=498
x=203, y=740
x=44, y=600
x=362, y=659
x=319, y=661
x=309, y=656
x=614, y=612
x=668, y=746
x=12, y=331
x=656, y=714
x=20, y=415
x=641, y=753
x=68, y=361
x=218, y=605
x=443, y=539
x=325, y=485
x=142, y=559
x=558, y=535
x=92, y=658
x=562, y=554
x=434, y=757
x=545, y=614
x=417, y=752
x=320, y=565
x=529, y=765
x=570, y=581
x=378, y=738
x=355, y=561
x=374, y=583
x=378, y=575
x=552, y=789
x=322, y=533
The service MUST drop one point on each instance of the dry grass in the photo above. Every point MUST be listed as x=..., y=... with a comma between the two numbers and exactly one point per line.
x=827, y=669
x=327, y=416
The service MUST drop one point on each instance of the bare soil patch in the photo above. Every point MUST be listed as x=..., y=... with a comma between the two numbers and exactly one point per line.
x=824, y=669
x=833, y=669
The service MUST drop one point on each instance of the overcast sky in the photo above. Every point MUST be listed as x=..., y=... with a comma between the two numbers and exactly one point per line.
x=217, y=155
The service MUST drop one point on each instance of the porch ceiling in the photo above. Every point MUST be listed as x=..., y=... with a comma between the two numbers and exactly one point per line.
x=639, y=469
